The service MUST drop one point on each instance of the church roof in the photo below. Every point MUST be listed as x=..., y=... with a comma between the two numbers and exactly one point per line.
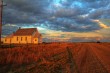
x=25, y=31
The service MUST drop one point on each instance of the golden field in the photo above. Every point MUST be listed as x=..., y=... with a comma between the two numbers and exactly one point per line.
x=56, y=58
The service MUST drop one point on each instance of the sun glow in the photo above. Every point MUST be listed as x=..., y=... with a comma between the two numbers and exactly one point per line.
x=102, y=25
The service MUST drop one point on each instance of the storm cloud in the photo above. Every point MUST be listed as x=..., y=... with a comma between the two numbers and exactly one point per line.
x=63, y=15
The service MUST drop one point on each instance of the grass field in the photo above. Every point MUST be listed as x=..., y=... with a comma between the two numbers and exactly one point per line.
x=56, y=58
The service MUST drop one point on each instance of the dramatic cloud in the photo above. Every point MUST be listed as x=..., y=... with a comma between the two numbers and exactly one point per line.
x=70, y=13
x=57, y=15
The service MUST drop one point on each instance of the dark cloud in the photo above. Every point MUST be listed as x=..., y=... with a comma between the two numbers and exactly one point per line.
x=97, y=13
x=9, y=29
x=64, y=15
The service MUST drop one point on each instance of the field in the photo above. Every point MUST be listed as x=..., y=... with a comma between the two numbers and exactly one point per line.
x=56, y=58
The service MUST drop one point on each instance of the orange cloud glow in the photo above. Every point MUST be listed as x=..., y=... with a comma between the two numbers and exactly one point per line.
x=102, y=25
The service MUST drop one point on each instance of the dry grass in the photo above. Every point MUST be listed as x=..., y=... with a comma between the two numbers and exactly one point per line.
x=53, y=57
x=28, y=54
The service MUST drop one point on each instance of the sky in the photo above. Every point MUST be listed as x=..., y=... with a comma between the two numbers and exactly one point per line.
x=60, y=20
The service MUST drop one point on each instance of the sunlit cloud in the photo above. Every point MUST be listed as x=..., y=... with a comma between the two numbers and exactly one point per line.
x=66, y=36
x=101, y=24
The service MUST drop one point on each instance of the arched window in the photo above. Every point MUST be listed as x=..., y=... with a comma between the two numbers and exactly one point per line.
x=10, y=40
x=17, y=38
x=21, y=38
x=5, y=40
x=25, y=38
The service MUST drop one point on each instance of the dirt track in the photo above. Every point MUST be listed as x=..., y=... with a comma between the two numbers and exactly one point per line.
x=89, y=60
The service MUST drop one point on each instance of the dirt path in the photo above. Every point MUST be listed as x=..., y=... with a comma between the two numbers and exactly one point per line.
x=103, y=54
x=88, y=62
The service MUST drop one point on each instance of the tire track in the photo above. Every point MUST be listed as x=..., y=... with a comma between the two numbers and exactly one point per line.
x=96, y=64
x=101, y=52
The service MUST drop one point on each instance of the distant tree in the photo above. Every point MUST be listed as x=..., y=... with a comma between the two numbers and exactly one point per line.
x=98, y=42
